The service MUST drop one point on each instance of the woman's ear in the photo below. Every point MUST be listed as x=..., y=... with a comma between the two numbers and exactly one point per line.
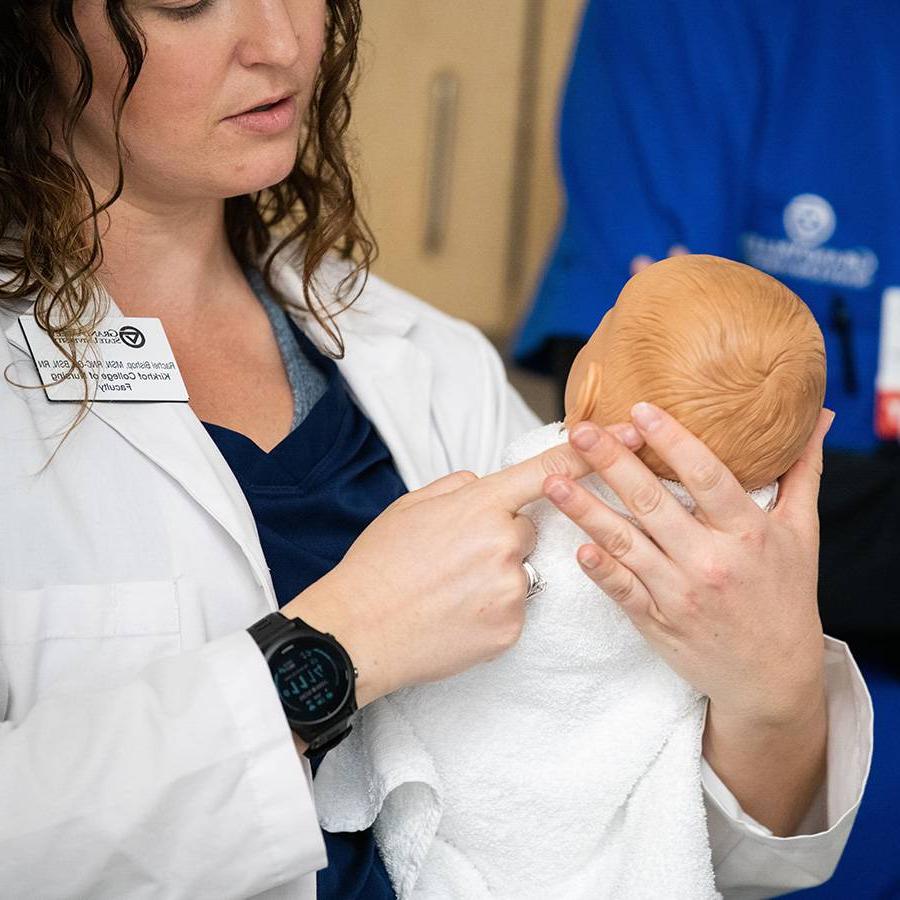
x=587, y=396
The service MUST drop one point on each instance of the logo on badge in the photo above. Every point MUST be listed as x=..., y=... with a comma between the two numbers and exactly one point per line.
x=809, y=220
x=132, y=337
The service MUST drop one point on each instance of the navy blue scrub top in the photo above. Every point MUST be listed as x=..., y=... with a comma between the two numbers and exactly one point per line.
x=311, y=496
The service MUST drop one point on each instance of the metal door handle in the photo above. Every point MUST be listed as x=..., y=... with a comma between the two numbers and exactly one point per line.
x=443, y=95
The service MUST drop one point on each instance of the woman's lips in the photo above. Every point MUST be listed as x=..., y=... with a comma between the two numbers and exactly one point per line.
x=269, y=120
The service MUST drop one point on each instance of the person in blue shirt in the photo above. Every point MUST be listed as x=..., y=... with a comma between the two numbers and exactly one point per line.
x=767, y=132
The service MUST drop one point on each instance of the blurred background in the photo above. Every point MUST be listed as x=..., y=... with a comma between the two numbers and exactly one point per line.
x=520, y=159
x=456, y=120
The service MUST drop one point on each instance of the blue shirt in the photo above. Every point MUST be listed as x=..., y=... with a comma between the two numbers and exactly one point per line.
x=764, y=131
x=311, y=496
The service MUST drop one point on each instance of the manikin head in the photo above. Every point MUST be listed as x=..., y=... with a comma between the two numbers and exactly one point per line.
x=730, y=352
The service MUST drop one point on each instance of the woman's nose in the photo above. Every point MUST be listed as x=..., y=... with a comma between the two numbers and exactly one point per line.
x=267, y=34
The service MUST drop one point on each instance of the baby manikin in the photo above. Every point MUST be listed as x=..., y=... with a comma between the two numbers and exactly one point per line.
x=570, y=767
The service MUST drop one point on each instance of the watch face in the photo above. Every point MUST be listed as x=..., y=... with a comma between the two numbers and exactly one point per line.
x=311, y=678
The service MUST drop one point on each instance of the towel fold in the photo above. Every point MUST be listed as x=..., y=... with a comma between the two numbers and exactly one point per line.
x=569, y=767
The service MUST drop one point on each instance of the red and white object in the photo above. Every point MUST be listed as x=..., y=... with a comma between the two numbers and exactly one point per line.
x=887, y=381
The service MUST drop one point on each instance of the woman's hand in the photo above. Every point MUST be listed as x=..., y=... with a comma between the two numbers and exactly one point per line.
x=435, y=584
x=727, y=597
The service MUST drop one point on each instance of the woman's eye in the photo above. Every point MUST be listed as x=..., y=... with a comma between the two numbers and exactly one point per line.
x=188, y=12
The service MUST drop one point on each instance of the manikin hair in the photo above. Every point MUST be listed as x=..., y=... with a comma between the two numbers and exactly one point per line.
x=729, y=351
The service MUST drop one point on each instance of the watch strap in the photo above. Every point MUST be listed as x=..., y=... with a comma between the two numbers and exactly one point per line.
x=325, y=742
x=270, y=627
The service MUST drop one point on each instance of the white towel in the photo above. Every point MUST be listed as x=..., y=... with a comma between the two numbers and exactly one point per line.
x=567, y=768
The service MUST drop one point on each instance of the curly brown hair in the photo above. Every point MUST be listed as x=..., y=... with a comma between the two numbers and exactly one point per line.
x=49, y=233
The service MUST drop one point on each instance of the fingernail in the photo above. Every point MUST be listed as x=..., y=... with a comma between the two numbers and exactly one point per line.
x=585, y=437
x=559, y=492
x=644, y=415
x=832, y=415
x=589, y=559
x=630, y=437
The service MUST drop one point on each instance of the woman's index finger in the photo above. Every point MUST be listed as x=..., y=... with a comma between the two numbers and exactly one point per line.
x=523, y=482
x=717, y=493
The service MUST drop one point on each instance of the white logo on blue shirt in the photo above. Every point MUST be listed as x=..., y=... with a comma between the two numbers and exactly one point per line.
x=809, y=222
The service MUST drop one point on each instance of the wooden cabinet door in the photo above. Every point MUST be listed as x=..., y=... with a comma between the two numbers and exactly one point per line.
x=440, y=114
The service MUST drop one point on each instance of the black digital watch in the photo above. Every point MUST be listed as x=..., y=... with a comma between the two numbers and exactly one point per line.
x=314, y=677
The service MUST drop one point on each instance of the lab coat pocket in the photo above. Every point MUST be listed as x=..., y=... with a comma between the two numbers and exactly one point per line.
x=73, y=637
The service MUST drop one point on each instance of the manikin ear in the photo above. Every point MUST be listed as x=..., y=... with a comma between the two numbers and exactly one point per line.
x=587, y=397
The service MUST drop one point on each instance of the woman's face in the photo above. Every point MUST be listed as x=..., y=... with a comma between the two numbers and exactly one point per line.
x=188, y=129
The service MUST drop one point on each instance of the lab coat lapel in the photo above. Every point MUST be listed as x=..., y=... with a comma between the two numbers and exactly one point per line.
x=389, y=376
x=172, y=437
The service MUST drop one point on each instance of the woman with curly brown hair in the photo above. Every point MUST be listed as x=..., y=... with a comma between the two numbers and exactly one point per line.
x=183, y=162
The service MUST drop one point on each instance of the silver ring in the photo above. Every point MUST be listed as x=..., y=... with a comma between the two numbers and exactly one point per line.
x=535, y=583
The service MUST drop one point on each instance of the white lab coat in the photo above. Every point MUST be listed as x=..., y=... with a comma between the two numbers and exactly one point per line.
x=143, y=751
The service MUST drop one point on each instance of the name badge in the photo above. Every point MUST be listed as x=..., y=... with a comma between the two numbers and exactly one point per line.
x=126, y=358
x=887, y=382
